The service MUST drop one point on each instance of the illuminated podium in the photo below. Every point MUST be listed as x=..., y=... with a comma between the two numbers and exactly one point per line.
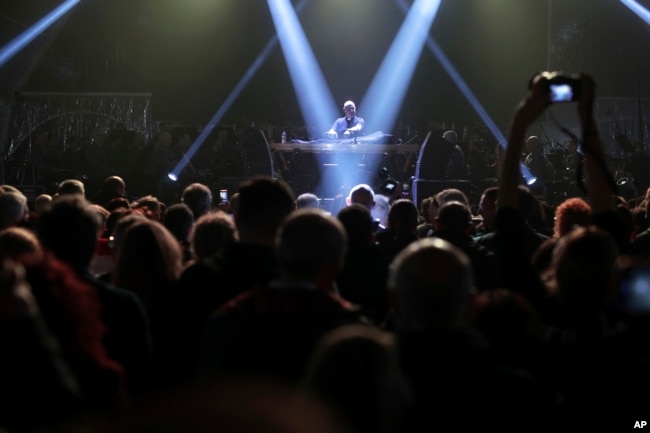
x=331, y=168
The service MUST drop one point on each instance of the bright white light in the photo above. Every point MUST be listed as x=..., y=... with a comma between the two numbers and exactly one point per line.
x=13, y=47
x=635, y=7
x=384, y=96
x=172, y=177
x=316, y=102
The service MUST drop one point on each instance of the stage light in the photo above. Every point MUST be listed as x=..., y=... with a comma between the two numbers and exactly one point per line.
x=638, y=9
x=172, y=176
x=384, y=97
x=232, y=96
x=435, y=49
x=316, y=102
x=13, y=47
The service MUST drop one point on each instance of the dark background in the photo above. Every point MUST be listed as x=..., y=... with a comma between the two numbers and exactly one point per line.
x=189, y=54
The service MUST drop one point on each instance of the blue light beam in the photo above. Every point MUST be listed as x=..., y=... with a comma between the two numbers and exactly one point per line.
x=386, y=92
x=638, y=9
x=20, y=42
x=230, y=99
x=435, y=49
x=316, y=102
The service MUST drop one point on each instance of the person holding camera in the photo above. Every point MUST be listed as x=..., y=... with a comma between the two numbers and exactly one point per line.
x=586, y=361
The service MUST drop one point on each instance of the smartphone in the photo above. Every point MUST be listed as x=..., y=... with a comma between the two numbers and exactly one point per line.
x=223, y=195
x=633, y=296
x=562, y=92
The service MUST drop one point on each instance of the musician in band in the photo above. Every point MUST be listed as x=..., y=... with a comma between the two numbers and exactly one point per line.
x=348, y=126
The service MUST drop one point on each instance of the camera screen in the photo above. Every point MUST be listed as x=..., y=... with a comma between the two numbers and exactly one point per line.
x=223, y=195
x=561, y=92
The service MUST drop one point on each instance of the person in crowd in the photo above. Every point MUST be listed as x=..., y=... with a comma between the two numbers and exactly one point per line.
x=112, y=187
x=355, y=369
x=572, y=212
x=179, y=220
x=532, y=236
x=592, y=367
x=401, y=230
x=450, y=194
x=14, y=209
x=362, y=194
x=365, y=269
x=454, y=224
x=307, y=200
x=263, y=204
x=271, y=329
x=212, y=232
x=42, y=202
x=348, y=126
x=432, y=283
x=198, y=197
x=148, y=261
x=39, y=389
x=487, y=210
x=71, y=186
x=150, y=207
x=426, y=216
x=69, y=230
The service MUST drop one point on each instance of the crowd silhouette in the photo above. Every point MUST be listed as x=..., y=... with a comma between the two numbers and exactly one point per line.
x=267, y=312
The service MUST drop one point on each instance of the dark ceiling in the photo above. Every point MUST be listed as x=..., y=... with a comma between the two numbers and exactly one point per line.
x=189, y=54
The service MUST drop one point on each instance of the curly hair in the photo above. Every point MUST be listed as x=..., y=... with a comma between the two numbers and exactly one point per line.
x=570, y=213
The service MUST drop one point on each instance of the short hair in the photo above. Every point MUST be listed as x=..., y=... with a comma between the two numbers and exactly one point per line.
x=71, y=186
x=425, y=204
x=18, y=241
x=211, y=232
x=70, y=230
x=264, y=202
x=357, y=221
x=13, y=208
x=42, y=202
x=308, y=240
x=403, y=215
x=179, y=219
x=450, y=135
x=114, y=184
x=450, y=194
x=492, y=193
x=198, y=197
x=362, y=194
x=307, y=200
x=432, y=280
x=454, y=215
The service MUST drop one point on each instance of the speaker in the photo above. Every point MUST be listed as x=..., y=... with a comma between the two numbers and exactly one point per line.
x=423, y=188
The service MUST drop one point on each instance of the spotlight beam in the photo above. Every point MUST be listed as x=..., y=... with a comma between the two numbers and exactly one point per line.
x=386, y=92
x=638, y=9
x=316, y=102
x=230, y=99
x=435, y=49
x=20, y=42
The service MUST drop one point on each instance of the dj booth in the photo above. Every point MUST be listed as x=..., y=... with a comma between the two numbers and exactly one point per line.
x=331, y=168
